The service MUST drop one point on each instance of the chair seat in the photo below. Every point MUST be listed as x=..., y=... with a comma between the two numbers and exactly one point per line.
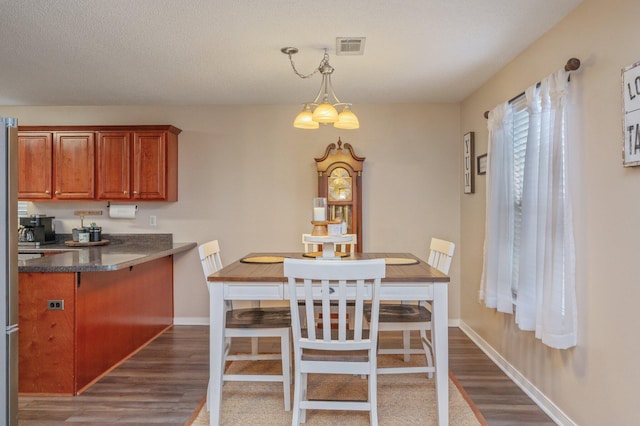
x=259, y=318
x=401, y=313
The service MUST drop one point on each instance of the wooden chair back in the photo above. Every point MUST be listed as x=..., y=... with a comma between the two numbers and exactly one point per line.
x=440, y=255
x=210, y=257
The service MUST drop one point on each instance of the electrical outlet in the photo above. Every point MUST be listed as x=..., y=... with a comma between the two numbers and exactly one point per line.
x=55, y=305
x=152, y=221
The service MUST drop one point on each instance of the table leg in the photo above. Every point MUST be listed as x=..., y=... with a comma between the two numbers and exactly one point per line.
x=216, y=351
x=440, y=331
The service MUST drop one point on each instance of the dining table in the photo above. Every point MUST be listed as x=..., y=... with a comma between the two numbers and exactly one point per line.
x=260, y=277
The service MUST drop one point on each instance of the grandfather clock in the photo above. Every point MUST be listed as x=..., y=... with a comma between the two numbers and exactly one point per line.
x=340, y=181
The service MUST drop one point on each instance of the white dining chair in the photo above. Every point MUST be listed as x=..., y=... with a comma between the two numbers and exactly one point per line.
x=340, y=248
x=333, y=350
x=349, y=247
x=252, y=323
x=414, y=317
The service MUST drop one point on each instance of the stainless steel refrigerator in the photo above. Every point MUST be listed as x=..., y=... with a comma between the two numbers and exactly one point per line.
x=9, y=274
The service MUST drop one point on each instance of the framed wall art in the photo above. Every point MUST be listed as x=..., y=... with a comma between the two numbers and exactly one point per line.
x=482, y=164
x=467, y=168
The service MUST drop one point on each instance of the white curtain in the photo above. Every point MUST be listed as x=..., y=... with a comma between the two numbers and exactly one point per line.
x=498, y=244
x=546, y=300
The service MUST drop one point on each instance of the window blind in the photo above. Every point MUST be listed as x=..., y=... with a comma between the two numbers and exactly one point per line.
x=520, y=132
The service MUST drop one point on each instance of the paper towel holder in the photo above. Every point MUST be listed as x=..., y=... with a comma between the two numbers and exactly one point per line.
x=122, y=211
x=109, y=205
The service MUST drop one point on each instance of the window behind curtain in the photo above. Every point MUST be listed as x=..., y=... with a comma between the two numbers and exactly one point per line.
x=520, y=131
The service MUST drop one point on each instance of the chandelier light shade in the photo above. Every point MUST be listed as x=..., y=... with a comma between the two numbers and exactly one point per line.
x=325, y=113
x=347, y=119
x=322, y=109
x=304, y=120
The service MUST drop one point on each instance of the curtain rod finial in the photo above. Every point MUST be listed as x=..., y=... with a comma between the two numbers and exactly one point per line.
x=572, y=64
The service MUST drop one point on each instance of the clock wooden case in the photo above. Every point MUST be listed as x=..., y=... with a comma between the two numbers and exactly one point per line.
x=340, y=181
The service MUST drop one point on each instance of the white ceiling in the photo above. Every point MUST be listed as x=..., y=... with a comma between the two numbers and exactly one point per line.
x=200, y=52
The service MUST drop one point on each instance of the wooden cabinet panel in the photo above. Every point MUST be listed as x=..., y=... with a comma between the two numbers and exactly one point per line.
x=74, y=165
x=113, y=165
x=118, y=312
x=35, y=162
x=46, y=361
x=155, y=163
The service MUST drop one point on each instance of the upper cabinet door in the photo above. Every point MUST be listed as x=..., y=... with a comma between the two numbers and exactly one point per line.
x=113, y=164
x=155, y=165
x=74, y=165
x=35, y=154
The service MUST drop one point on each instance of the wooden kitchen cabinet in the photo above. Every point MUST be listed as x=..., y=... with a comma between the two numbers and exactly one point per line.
x=55, y=165
x=140, y=165
x=113, y=164
x=127, y=163
x=74, y=161
x=155, y=165
x=35, y=165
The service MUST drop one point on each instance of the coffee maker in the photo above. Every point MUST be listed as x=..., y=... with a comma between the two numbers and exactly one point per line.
x=39, y=229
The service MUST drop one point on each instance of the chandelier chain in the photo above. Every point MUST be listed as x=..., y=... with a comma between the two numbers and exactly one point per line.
x=323, y=62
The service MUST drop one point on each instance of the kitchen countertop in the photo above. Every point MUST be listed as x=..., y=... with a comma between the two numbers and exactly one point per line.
x=123, y=251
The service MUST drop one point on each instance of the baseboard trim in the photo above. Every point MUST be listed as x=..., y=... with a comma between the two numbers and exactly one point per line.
x=552, y=410
x=191, y=321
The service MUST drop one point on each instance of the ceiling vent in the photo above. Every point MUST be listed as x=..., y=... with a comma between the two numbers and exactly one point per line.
x=350, y=45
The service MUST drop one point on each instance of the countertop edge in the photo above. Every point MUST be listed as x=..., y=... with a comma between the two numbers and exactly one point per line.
x=135, y=259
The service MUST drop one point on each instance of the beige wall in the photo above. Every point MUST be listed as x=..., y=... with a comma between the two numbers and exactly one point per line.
x=595, y=383
x=247, y=178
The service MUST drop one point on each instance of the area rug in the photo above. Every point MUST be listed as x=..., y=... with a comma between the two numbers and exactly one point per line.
x=403, y=399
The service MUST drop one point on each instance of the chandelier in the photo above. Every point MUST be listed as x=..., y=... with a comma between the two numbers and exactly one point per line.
x=323, y=108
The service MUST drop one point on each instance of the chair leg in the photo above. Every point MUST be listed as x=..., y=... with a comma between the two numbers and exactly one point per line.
x=297, y=397
x=406, y=344
x=285, y=349
x=254, y=346
x=426, y=345
x=373, y=391
x=303, y=396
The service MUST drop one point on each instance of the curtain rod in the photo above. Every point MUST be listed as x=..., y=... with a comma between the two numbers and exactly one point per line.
x=571, y=65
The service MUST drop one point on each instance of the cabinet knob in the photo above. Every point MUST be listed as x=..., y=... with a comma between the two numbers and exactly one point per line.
x=135, y=192
x=126, y=192
x=47, y=192
x=57, y=192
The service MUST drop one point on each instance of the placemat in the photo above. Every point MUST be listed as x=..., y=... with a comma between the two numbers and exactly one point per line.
x=263, y=259
x=399, y=261
x=319, y=254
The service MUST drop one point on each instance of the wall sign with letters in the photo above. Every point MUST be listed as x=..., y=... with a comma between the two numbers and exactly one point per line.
x=467, y=167
x=631, y=115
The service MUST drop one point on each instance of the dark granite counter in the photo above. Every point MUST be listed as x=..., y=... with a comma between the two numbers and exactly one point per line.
x=123, y=251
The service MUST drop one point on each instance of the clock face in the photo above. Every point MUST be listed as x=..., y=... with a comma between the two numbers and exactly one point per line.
x=340, y=186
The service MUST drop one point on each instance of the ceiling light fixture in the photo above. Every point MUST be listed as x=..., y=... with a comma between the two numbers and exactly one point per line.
x=325, y=102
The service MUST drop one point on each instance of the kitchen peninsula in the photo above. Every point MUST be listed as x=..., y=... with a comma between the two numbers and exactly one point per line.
x=84, y=310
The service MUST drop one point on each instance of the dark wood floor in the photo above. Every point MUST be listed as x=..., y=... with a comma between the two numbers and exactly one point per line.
x=164, y=383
